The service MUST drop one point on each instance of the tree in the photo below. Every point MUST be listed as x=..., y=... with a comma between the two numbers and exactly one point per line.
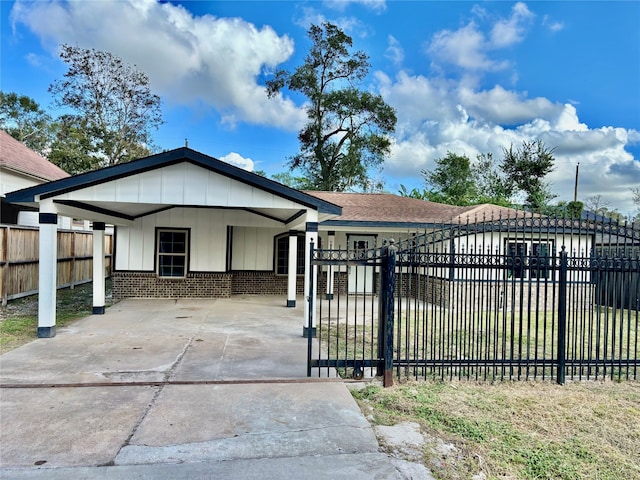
x=23, y=119
x=636, y=196
x=491, y=185
x=526, y=168
x=70, y=149
x=451, y=181
x=414, y=193
x=113, y=103
x=596, y=204
x=286, y=178
x=348, y=129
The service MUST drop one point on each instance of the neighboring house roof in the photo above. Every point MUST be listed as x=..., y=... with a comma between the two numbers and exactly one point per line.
x=388, y=210
x=486, y=212
x=16, y=156
x=74, y=191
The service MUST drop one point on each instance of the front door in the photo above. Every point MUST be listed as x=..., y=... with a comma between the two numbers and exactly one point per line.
x=361, y=276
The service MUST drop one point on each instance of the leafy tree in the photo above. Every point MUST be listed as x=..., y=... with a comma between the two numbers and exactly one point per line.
x=526, y=168
x=414, y=193
x=574, y=209
x=299, y=183
x=113, y=103
x=348, y=129
x=70, y=149
x=23, y=119
x=451, y=181
x=491, y=185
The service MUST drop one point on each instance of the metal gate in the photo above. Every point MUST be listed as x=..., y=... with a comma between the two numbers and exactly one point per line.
x=500, y=299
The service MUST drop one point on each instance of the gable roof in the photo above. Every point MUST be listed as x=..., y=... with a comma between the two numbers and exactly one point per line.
x=16, y=156
x=63, y=190
x=389, y=210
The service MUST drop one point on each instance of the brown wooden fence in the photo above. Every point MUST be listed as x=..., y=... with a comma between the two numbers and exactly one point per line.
x=19, y=259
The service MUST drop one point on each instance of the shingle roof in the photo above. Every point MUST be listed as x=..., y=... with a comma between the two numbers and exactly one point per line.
x=386, y=208
x=17, y=156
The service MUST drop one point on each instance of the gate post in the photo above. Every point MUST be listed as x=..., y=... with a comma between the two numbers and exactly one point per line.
x=311, y=307
x=387, y=313
x=562, y=318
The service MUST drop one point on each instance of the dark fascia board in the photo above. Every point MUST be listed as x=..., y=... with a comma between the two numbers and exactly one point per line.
x=93, y=208
x=183, y=154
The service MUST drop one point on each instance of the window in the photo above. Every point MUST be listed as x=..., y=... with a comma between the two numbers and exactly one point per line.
x=172, y=252
x=282, y=255
x=540, y=260
x=534, y=257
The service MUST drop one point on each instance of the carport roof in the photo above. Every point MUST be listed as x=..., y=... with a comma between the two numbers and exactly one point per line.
x=33, y=195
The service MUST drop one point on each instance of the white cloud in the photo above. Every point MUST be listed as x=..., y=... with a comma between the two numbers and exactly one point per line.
x=394, y=51
x=506, y=32
x=504, y=107
x=189, y=60
x=552, y=25
x=469, y=46
x=436, y=116
x=465, y=48
x=239, y=161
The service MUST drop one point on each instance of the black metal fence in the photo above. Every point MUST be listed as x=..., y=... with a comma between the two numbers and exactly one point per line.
x=498, y=299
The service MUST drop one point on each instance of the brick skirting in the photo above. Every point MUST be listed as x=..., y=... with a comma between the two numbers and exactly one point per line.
x=200, y=285
x=262, y=283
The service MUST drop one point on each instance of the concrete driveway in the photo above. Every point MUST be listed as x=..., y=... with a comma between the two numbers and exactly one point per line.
x=181, y=389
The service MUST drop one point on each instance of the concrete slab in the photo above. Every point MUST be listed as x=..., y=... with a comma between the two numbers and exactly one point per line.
x=261, y=423
x=367, y=466
x=60, y=427
x=226, y=422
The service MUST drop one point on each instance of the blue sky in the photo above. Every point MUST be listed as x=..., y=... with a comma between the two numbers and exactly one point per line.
x=466, y=77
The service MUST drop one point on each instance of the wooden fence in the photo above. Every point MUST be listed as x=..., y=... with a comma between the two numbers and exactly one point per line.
x=19, y=259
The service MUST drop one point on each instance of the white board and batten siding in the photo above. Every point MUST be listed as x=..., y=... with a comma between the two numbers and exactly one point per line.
x=181, y=184
x=252, y=247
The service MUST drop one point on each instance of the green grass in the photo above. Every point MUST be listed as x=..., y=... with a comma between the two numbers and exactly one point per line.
x=520, y=430
x=19, y=319
x=458, y=335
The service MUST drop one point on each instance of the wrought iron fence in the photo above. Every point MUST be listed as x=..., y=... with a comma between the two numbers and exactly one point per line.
x=498, y=299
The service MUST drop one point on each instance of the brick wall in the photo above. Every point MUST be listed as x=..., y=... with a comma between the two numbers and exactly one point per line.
x=200, y=285
x=149, y=285
x=340, y=281
x=262, y=283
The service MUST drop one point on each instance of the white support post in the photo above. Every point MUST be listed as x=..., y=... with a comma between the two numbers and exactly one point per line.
x=293, y=269
x=47, y=270
x=98, y=268
x=311, y=236
x=331, y=240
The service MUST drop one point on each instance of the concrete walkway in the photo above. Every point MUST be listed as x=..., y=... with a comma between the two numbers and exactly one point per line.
x=155, y=389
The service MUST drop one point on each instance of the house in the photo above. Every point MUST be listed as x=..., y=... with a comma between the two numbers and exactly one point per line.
x=186, y=225
x=21, y=167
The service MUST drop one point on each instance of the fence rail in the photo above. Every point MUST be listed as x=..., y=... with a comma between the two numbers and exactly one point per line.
x=497, y=300
x=19, y=258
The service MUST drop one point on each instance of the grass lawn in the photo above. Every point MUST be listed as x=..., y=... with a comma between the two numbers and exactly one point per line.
x=19, y=319
x=519, y=430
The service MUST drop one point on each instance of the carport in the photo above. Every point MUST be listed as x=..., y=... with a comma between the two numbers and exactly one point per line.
x=186, y=226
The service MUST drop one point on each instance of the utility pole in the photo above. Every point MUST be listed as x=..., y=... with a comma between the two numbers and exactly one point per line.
x=575, y=190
